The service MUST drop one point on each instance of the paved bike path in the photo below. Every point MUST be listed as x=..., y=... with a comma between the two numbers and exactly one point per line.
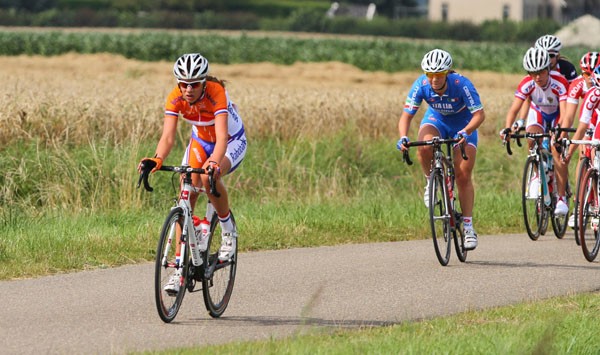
x=282, y=293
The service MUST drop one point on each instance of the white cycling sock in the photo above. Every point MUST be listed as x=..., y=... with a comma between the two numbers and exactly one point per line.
x=226, y=223
x=468, y=223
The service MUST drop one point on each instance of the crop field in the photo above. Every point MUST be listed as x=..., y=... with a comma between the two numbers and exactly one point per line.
x=321, y=168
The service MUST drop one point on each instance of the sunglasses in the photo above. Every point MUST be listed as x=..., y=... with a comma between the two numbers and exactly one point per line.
x=439, y=73
x=536, y=73
x=183, y=85
x=553, y=55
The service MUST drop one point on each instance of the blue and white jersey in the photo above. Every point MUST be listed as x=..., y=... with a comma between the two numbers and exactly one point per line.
x=460, y=95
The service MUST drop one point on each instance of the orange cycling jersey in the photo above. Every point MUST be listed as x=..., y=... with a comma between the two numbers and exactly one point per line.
x=201, y=114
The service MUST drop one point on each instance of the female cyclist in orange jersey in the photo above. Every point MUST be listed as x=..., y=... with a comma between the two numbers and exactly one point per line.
x=218, y=138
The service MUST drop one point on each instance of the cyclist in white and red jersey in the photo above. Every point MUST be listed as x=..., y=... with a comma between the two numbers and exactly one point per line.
x=454, y=111
x=588, y=114
x=218, y=140
x=558, y=63
x=553, y=45
x=547, y=93
x=577, y=90
x=580, y=86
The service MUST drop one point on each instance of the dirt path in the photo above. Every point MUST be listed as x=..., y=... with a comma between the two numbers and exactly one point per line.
x=281, y=293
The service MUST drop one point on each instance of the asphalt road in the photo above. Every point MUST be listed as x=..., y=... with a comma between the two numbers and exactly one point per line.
x=287, y=292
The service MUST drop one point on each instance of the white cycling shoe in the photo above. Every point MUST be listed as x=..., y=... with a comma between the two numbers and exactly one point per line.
x=470, y=239
x=172, y=287
x=228, y=246
x=561, y=208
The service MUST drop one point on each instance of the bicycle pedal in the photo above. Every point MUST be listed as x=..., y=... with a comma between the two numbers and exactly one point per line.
x=171, y=293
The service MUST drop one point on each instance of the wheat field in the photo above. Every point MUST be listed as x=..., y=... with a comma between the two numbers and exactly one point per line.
x=73, y=98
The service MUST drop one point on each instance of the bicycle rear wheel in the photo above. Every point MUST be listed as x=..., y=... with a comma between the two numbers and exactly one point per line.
x=459, y=239
x=584, y=165
x=167, y=304
x=534, y=211
x=217, y=284
x=439, y=217
x=589, y=216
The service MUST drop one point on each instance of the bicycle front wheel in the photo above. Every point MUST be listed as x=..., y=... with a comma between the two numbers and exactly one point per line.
x=459, y=239
x=439, y=217
x=217, y=284
x=584, y=165
x=589, y=216
x=168, y=303
x=534, y=211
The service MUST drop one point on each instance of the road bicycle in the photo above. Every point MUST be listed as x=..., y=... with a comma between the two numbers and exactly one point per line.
x=588, y=202
x=444, y=216
x=583, y=165
x=539, y=191
x=198, y=260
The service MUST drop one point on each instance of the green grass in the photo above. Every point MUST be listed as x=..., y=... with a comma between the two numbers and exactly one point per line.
x=563, y=325
x=286, y=194
x=371, y=54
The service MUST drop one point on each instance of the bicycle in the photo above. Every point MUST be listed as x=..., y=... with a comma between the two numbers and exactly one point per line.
x=445, y=218
x=198, y=263
x=584, y=165
x=539, y=191
x=588, y=201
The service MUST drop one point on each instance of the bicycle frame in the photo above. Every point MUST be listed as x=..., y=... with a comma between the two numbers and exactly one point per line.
x=442, y=207
x=194, y=264
x=539, y=206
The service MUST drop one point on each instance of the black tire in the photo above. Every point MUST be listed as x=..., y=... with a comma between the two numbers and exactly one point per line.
x=534, y=212
x=584, y=165
x=459, y=239
x=559, y=223
x=168, y=305
x=439, y=217
x=589, y=216
x=219, y=277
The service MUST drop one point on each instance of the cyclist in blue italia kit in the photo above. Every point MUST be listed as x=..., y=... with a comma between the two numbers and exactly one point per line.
x=455, y=111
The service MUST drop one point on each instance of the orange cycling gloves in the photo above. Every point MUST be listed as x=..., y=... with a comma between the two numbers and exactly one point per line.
x=153, y=163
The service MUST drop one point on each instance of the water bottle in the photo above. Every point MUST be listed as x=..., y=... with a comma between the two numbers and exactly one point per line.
x=195, y=241
x=547, y=199
x=204, y=234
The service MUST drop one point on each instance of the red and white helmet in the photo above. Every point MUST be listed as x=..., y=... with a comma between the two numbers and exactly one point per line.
x=549, y=42
x=589, y=62
x=191, y=66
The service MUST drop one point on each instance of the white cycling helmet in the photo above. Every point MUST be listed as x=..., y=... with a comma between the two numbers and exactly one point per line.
x=436, y=61
x=589, y=62
x=549, y=42
x=536, y=59
x=191, y=66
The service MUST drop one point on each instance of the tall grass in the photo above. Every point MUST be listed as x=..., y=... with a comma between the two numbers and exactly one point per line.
x=321, y=166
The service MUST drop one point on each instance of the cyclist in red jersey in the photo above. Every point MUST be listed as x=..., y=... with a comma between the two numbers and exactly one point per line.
x=218, y=138
x=588, y=114
x=577, y=90
x=547, y=94
x=580, y=86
